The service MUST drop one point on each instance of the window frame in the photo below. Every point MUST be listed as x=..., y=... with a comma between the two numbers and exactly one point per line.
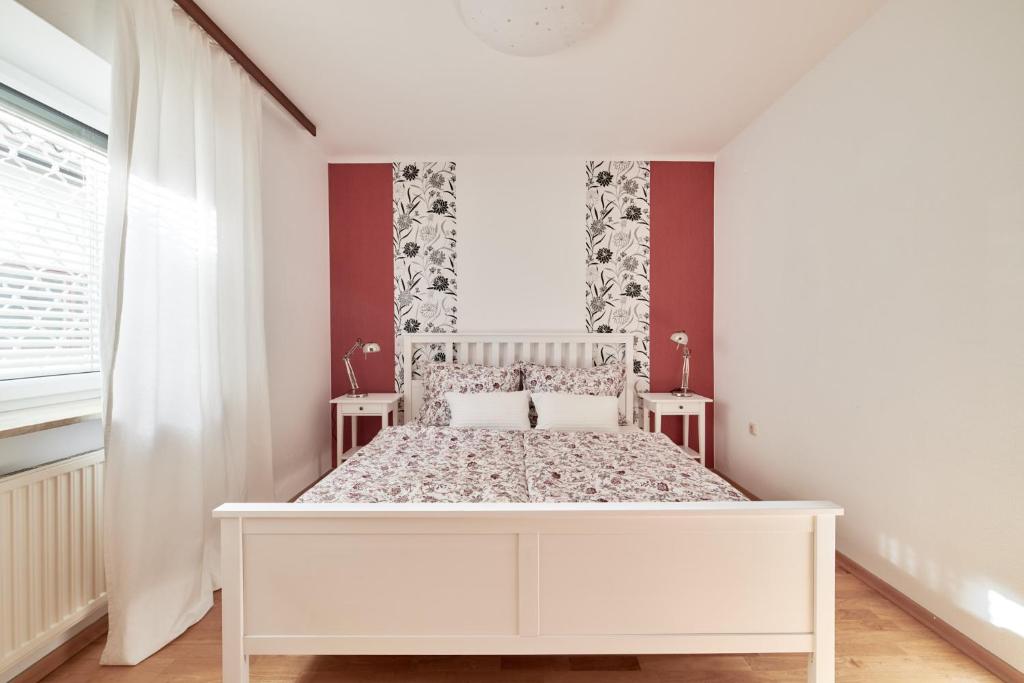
x=33, y=392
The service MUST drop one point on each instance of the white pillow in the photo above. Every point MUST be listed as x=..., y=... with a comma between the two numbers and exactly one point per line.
x=576, y=412
x=490, y=410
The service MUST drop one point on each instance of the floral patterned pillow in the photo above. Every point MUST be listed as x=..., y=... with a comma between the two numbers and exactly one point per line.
x=439, y=378
x=599, y=380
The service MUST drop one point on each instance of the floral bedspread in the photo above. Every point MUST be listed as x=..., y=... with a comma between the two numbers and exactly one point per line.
x=422, y=464
x=603, y=467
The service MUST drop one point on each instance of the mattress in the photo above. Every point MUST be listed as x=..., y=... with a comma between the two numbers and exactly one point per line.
x=420, y=464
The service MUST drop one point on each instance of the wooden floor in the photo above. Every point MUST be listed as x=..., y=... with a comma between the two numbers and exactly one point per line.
x=877, y=643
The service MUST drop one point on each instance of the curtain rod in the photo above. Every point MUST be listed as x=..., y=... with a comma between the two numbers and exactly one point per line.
x=210, y=26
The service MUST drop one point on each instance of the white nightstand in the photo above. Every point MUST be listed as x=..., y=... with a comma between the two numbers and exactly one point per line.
x=667, y=404
x=372, y=404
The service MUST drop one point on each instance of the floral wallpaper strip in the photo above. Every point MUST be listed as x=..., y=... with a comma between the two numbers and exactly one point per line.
x=426, y=291
x=618, y=296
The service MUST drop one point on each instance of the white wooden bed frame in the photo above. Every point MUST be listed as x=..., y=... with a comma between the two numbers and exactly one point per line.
x=563, y=350
x=610, y=578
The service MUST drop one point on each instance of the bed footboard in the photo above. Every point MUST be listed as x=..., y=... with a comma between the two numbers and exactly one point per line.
x=529, y=579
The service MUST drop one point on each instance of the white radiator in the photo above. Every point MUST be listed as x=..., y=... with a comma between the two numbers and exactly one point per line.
x=51, y=552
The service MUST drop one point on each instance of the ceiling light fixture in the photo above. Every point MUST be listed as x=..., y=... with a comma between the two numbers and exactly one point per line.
x=530, y=28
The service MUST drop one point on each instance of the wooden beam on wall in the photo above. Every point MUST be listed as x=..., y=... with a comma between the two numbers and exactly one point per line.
x=210, y=26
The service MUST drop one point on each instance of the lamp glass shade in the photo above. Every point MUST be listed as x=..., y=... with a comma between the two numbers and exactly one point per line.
x=530, y=28
x=680, y=338
x=371, y=347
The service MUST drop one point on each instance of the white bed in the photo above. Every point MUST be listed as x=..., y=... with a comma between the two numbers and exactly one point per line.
x=527, y=578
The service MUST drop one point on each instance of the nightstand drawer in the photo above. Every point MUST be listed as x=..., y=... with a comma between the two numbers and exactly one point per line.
x=360, y=409
x=679, y=408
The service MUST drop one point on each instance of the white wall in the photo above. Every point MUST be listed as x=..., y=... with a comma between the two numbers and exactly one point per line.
x=520, y=243
x=88, y=22
x=297, y=300
x=869, y=309
x=54, y=61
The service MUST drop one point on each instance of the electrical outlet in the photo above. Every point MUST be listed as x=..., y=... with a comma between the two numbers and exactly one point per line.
x=752, y=428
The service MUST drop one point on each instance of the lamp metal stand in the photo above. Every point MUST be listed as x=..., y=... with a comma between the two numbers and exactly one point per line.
x=353, y=382
x=684, y=390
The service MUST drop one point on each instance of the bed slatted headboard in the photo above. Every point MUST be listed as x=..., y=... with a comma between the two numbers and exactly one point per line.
x=573, y=350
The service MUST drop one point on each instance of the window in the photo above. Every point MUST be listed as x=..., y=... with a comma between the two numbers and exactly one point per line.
x=52, y=205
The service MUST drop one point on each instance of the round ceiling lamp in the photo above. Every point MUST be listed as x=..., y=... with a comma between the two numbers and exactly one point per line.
x=530, y=28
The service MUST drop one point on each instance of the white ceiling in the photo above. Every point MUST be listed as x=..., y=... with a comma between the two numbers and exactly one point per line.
x=384, y=79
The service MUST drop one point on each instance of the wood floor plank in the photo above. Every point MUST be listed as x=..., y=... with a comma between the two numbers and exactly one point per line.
x=876, y=642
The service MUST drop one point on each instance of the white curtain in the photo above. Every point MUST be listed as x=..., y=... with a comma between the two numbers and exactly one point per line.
x=187, y=415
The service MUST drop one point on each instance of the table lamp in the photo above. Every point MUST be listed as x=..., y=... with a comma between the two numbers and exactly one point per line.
x=367, y=347
x=681, y=340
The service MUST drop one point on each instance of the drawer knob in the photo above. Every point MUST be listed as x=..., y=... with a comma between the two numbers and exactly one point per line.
x=360, y=407
x=682, y=407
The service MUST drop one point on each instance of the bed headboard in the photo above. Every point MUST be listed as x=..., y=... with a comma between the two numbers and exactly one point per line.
x=572, y=349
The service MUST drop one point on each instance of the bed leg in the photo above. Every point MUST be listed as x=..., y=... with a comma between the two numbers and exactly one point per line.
x=236, y=671
x=822, y=665
x=820, y=670
x=235, y=663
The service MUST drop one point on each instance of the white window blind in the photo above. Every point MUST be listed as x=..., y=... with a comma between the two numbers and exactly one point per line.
x=52, y=207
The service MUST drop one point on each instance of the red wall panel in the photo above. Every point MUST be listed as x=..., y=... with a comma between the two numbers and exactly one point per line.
x=361, y=280
x=682, y=281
